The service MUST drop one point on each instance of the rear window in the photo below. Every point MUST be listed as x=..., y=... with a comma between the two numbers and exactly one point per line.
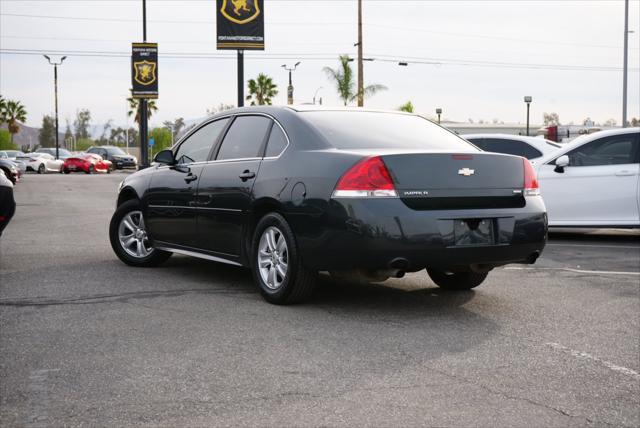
x=376, y=130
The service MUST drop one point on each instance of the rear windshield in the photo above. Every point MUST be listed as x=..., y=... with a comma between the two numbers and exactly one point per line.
x=377, y=130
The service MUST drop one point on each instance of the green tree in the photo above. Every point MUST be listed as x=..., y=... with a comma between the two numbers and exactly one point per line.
x=408, y=107
x=81, y=124
x=134, y=108
x=221, y=107
x=47, y=135
x=14, y=112
x=262, y=90
x=83, y=144
x=343, y=78
x=161, y=139
x=5, y=141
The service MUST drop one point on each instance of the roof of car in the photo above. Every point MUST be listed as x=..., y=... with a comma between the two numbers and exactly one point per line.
x=583, y=139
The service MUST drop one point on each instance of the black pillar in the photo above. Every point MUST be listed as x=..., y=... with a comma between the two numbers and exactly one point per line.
x=55, y=84
x=240, y=78
x=142, y=106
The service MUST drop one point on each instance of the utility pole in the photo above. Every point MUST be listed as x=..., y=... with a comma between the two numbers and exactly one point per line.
x=439, y=113
x=290, y=87
x=55, y=86
x=360, y=63
x=142, y=105
x=626, y=63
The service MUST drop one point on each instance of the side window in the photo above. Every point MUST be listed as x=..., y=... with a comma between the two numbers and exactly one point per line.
x=91, y=151
x=196, y=148
x=479, y=142
x=245, y=138
x=614, y=150
x=512, y=147
x=277, y=142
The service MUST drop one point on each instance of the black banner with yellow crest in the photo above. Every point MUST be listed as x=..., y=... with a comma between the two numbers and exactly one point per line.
x=240, y=24
x=144, y=70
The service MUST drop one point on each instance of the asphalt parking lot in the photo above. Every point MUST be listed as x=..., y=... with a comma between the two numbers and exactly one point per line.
x=86, y=340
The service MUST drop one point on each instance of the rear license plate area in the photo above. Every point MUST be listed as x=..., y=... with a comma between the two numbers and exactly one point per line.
x=475, y=231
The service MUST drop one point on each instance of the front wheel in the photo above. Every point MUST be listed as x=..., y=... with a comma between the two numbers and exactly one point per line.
x=277, y=263
x=41, y=169
x=129, y=239
x=91, y=169
x=456, y=280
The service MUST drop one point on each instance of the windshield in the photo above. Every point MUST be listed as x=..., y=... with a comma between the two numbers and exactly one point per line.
x=14, y=153
x=378, y=130
x=115, y=151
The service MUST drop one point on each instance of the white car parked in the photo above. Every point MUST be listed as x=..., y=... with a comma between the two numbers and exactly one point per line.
x=41, y=162
x=593, y=180
x=532, y=148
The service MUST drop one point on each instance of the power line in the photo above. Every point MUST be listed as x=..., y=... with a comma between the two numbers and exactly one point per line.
x=306, y=23
x=324, y=57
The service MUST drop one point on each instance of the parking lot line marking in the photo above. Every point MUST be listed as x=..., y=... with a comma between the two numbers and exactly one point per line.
x=594, y=246
x=600, y=272
x=584, y=356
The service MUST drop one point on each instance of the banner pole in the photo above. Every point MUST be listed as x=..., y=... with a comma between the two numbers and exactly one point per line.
x=142, y=105
x=240, y=78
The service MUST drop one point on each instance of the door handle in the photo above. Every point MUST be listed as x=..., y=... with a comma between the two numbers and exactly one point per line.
x=247, y=175
x=624, y=173
x=190, y=177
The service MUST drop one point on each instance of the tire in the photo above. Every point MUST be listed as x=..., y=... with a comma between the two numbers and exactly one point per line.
x=457, y=280
x=299, y=282
x=127, y=255
x=41, y=169
x=91, y=169
x=109, y=169
x=66, y=171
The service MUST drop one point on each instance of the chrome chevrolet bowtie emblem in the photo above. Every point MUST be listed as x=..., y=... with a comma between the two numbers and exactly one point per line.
x=466, y=172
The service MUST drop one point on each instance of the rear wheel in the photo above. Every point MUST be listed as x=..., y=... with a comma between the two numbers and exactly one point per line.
x=91, y=169
x=456, y=280
x=129, y=239
x=66, y=171
x=41, y=169
x=277, y=264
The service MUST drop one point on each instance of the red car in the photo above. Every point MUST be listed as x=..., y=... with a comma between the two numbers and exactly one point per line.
x=88, y=163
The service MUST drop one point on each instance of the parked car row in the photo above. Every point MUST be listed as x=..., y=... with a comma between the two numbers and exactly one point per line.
x=15, y=163
x=592, y=181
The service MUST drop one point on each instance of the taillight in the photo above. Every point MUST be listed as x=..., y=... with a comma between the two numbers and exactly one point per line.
x=531, y=186
x=369, y=178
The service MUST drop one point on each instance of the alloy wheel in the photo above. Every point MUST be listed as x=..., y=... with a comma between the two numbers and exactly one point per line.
x=133, y=235
x=273, y=258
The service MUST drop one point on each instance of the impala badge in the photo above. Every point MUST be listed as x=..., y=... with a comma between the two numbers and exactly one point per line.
x=466, y=172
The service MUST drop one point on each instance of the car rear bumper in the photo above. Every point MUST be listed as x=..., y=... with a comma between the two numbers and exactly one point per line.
x=386, y=234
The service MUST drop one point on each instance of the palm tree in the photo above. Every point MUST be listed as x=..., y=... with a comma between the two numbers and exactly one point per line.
x=408, y=107
x=261, y=90
x=134, y=109
x=14, y=112
x=3, y=108
x=343, y=79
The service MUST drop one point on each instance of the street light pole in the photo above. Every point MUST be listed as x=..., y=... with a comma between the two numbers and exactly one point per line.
x=360, y=63
x=528, y=99
x=625, y=63
x=290, y=87
x=438, y=112
x=55, y=86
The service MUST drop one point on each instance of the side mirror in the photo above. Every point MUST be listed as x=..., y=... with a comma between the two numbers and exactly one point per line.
x=561, y=163
x=165, y=157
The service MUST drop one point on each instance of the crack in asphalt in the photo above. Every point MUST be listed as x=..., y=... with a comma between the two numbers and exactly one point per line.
x=120, y=297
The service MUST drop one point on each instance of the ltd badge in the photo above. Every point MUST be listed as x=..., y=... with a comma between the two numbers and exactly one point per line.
x=466, y=172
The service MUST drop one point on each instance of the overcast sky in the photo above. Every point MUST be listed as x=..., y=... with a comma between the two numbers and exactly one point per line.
x=485, y=55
